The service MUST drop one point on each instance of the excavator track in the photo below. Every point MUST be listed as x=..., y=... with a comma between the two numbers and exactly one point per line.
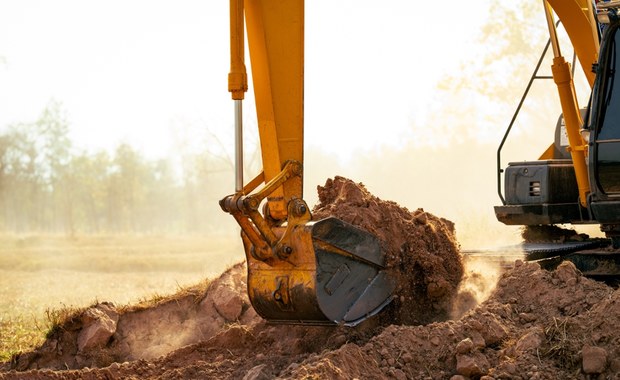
x=594, y=258
x=538, y=251
x=597, y=262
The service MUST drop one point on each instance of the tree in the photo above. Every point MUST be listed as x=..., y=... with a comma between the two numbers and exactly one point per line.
x=478, y=100
x=88, y=178
x=54, y=148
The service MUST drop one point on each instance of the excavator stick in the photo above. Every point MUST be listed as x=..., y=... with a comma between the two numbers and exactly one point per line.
x=335, y=274
x=299, y=270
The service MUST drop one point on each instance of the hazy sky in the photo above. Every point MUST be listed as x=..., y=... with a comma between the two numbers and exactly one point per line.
x=136, y=71
x=152, y=72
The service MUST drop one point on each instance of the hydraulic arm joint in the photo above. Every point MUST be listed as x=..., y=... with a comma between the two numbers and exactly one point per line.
x=244, y=206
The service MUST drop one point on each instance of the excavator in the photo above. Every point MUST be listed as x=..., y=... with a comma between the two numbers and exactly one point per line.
x=306, y=271
x=577, y=179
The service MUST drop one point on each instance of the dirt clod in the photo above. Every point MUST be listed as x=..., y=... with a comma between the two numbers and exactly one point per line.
x=98, y=326
x=594, y=359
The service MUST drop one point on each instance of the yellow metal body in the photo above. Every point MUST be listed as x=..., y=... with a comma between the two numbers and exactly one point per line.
x=299, y=270
x=275, y=33
x=279, y=259
x=238, y=78
x=276, y=46
x=577, y=19
x=285, y=289
x=581, y=29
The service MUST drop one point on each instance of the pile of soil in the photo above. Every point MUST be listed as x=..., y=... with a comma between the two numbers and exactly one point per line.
x=104, y=334
x=535, y=324
x=421, y=250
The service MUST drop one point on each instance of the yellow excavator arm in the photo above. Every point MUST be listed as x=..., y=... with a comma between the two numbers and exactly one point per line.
x=276, y=39
x=577, y=16
x=299, y=270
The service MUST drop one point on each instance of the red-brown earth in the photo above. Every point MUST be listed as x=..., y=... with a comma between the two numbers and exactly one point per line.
x=535, y=324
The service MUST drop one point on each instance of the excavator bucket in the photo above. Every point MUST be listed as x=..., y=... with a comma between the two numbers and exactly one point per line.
x=335, y=274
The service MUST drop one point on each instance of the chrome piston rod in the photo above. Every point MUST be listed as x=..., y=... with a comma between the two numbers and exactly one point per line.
x=238, y=145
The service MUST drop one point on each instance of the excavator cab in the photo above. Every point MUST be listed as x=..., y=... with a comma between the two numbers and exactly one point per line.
x=299, y=270
x=604, y=133
x=577, y=179
x=551, y=190
x=554, y=189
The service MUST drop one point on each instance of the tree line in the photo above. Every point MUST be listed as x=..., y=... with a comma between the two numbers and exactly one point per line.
x=48, y=186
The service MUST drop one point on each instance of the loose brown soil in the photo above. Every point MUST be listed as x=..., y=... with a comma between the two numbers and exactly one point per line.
x=421, y=249
x=535, y=324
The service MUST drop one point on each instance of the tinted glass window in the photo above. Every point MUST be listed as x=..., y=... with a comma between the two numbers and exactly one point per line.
x=608, y=139
x=609, y=167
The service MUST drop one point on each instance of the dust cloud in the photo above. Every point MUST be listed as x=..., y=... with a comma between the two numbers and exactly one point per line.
x=480, y=278
x=458, y=183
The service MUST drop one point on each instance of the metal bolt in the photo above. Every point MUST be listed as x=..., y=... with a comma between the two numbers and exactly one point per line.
x=302, y=209
x=285, y=251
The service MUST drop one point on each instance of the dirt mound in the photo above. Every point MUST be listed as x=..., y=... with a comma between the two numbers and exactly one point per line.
x=535, y=325
x=211, y=320
x=103, y=334
x=421, y=249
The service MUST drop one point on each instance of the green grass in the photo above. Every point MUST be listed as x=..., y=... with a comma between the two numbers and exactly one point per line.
x=44, y=277
x=19, y=333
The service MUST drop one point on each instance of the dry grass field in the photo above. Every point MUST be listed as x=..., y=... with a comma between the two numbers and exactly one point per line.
x=40, y=276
